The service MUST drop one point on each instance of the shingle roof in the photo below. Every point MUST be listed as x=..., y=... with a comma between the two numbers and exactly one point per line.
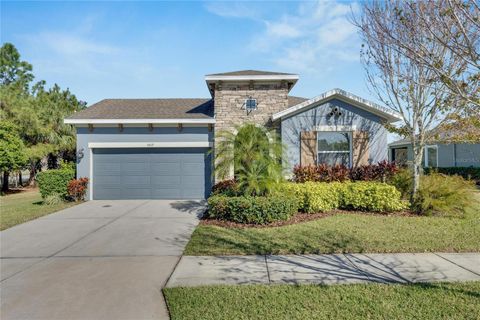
x=293, y=101
x=251, y=73
x=180, y=108
x=148, y=109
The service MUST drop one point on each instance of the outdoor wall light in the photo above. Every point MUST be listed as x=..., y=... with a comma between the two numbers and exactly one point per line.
x=80, y=153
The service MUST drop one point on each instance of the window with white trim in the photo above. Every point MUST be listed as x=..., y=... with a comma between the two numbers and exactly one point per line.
x=431, y=156
x=334, y=147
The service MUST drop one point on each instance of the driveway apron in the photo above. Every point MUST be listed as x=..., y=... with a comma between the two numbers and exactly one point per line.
x=98, y=260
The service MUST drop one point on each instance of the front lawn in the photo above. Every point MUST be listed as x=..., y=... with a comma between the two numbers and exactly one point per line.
x=343, y=233
x=24, y=206
x=366, y=301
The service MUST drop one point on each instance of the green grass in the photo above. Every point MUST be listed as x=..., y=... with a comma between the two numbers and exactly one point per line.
x=24, y=206
x=370, y=301
x=344, y=233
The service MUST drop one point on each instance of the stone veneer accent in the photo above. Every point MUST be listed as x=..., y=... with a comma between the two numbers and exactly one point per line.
x=229, y=104
x=229, y=100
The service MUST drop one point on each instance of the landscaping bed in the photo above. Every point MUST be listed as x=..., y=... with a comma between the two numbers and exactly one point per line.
x=362, y=301
x=297, y=218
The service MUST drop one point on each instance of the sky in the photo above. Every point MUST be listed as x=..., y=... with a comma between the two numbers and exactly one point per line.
x=153, y=49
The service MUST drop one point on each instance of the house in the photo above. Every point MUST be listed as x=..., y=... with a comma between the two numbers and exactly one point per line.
x=437, y=153
x=162, y=148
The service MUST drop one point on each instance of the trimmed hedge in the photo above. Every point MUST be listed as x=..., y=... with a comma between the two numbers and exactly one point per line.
x=315, y=196
x=372, y=196
x=252, y=210
x=54, y=182
x=469, y=173
x=362, y=195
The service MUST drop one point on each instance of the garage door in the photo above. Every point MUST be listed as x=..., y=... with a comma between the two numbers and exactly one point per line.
x=154, y=173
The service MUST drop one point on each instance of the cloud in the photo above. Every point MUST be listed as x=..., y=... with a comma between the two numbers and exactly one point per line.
x=233, y=9
x=80, y=53
x=282, y=30
x=69, y=44
x=324, y=36
x=315, y=35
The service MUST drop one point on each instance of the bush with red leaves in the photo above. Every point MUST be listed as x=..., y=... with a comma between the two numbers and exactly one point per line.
x=226, y=187
x=77, y=188
x=381, y=171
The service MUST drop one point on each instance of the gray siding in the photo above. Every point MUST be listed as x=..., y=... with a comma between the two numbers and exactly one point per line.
x=307, y=120
x=454, y=154
x=134, y=134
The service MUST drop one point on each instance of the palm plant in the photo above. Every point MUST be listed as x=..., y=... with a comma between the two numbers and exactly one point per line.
x=252, y=156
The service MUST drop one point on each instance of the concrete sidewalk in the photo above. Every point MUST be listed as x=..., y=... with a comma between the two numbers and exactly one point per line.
x=326, y=269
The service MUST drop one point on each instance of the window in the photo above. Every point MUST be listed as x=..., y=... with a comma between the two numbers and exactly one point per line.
x=333, y=148
x=431, y=156
x=250, y=104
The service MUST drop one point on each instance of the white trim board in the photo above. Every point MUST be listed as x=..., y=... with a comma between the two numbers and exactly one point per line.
x=180, y=144
x=90, y=173
x=344, y=96
x=335, y=128
x=139, y=121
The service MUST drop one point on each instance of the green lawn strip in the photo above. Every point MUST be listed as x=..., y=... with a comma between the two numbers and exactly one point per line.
x=24, y=206
x=365, y=301
x=341, y=233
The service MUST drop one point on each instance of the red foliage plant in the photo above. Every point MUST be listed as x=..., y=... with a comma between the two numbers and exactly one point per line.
x=77, y=188
x=227, y=187
x=381, y=171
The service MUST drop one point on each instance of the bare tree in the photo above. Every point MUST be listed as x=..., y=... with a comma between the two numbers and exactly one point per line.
x=402, y=83
x=455, y=25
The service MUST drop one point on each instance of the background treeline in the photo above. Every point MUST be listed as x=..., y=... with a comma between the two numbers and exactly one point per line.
x=32, y=133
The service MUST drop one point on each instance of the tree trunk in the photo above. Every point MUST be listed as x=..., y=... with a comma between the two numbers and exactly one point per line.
x=5, y=181
x=20, y=178
x=417, y=169
x=33, y=173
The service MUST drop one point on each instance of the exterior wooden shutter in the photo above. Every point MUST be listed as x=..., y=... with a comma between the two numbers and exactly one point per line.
x=308, y=147
x=361, y=152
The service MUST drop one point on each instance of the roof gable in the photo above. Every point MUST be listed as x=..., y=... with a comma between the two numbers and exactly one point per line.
x=343, y=95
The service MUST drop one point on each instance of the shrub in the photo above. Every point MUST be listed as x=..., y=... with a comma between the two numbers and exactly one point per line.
x=469, y=173
x=53, y=199
x=403, y=181
x=77, y=188
x=320, y=173
x=381, y=171
x=315, y=197
x=252, y=210
x=440, y=194
x=372, y=196
x=55, y=181
x=226, y=187
x=306, y=173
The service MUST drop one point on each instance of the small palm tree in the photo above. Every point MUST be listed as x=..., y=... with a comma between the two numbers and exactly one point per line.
x=255, y=157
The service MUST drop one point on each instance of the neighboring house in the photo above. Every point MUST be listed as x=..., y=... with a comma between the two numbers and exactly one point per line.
x=160, y=148
x=437, y=154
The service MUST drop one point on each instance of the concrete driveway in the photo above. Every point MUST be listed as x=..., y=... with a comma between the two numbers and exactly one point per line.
x=97, y=260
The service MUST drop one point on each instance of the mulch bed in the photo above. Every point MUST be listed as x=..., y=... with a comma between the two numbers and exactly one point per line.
x=299, y=218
